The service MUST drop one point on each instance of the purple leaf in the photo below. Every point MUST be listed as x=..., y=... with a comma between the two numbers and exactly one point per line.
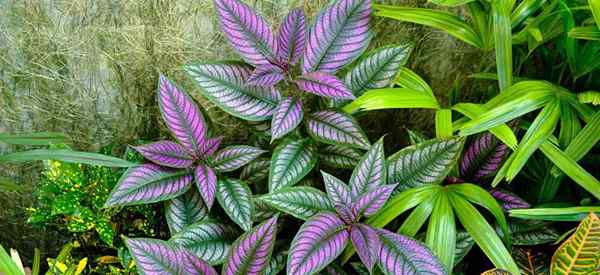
x=209, y=147
x=250, y=253
x=345, y=213
x=402, y=255
x=337, y=128
x=234, y=157
x=318, y=242
x=246, y=31
x=325, y=85
x=166, y=153
x=483, y=157
x=339, y=35
x=337, y=190
x=159, y=257
x=508, y=199
x=366, y=243
x=185, y=210
x=286, y=118
x=292, y=36
x=207, y=183
x=181, y=114
x=369, y=203
x=224, y=84
x=266, y=76
x=148, y=183
x=370, y=171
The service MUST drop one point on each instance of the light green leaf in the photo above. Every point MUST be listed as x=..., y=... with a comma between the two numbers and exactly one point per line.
x=235, y=198
x=444, y=21
x=501, y=10
x=451, y=3
x=585, y=140
x=40, y=138
x=7, y=265
x=569, y=124
x=524, y=10
x=392, y=98
x=410, y=227
x=589, y=97
x=502, y=131
x=406, y=78
x=66, y=156
x=564, y=214
x=595, y=7
x=585, y=33
x=441, y=232
x=291, y=161
x=443, y=123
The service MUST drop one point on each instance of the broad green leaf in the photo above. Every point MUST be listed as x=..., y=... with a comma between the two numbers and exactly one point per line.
x=209, y=240
x=256, y=171
x=66, y=156
x=340, y=156
x=595, y=7
x=443, y=123
x=391, y=98
x=464, y=243
x=501, y=14
x=415, y=137
x=569, y=124
x=483, y=234
x=444, y=21
x=542, y=127
x=425, y=163
x=411, y=225
x=483, y=23
x=291, y=161
x=502, y=131
x=406, y=78
x=554, y=214
x=40, y=138
x=532, y=233
x=236, y=199
x=571, y=168
x=302, y=202
x=579, y=254
x=185, y=210
x=441, y=231
x=585, y=33
x=585, y=140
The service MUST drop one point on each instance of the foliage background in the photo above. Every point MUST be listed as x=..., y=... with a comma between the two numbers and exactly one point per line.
x=88, y=68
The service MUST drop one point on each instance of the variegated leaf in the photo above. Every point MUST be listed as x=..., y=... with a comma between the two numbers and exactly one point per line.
x=266, y=76
x=246, y=31
x=339, y=156
x=256, y=171
x=276, y=265
x=234, y=157
x=370, y=171
x=378, y=69
x=291, y=161
x=208, y=240
x=530, y=261
x=148, y=183
x=337, y=128
x=209, y=147
x=340, y=34
x=224, y=85
x=236, y=199
x=464, y=243
x=325, y=85
x=302, y=202
x=366, y=243
x=262, y=210
x=251, y=252
x=159, y=257
x=425, y=163
x=403, y=255
x=181, y=114
x=508, y=200
x=166, y=153
x=185, y=210
x=337, y=191
x=483, y=157
x=206, y=180
x=579, y=253
x=318, y=242
x=286, y=118
x=532, y=233
x=292, y=36
x=496, y=271
x=370, y=202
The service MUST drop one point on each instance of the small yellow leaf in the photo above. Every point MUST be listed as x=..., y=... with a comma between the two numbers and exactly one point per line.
x=81, y=266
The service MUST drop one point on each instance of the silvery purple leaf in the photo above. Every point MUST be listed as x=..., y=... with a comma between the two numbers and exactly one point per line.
x=324, y=84
x=224, y=84
x=366, y=243
x=181, y=114
x=318, y=242
x=235, y=198
x=250, y=253
x=185, y=210
x=370, y=171
x=246, y=31
x=340, y=156
x=292, y=36
x=209, y=147
x=291, y=161
x=286, y=118
x=337, y=190
x=166, y=153
x=508, y=199
x=208, y=240
x=266, y=76
x=277, y=264
x=206, y=180
x=337, y=128
x=159, y=257
x=234, y=157
x=402, y=255
x=369, y=203
x=148, y=183
x=345, y=213
x=302, y=202
x=339, y=35
x=256, y=171
x=483, y=157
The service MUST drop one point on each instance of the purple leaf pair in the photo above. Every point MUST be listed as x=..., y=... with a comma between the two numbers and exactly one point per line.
x=508, y=200
x=483, y=157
